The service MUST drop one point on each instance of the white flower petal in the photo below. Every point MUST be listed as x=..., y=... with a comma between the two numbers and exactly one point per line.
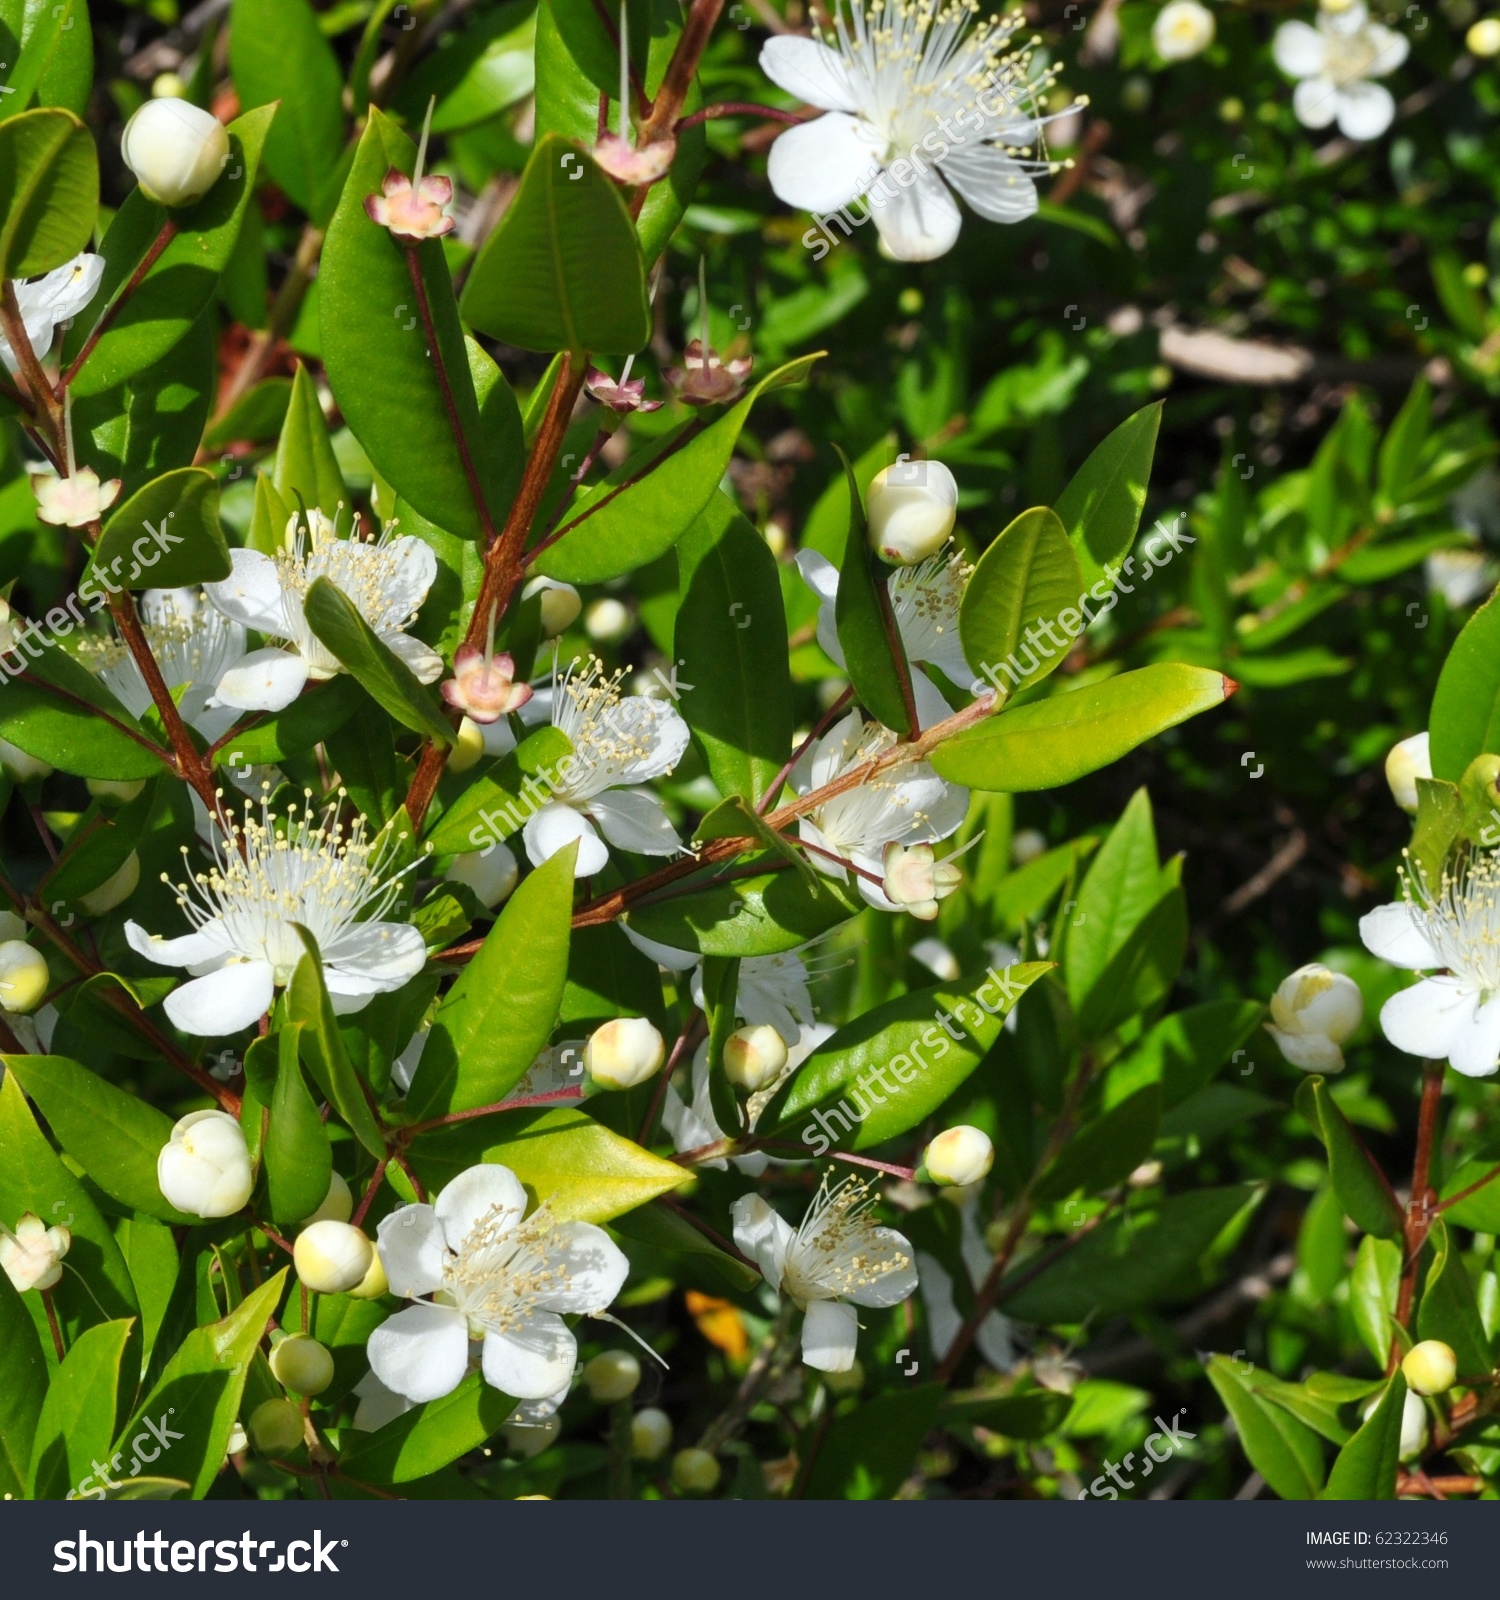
x=422, y=1352
x=223, y=1002
x=1394, y=934
x=264, y=680
x=810, y=70
x=822, y=577
x=829, y=1335
x=824, y=164
x=252, y=593
x=554, y=828
x=992, y=182
x=763, y=1235
x=633, y=819
x=413, y=569
x=206, y=948
x=1316, y=102
x=411, y=1244
x=1365, y=110
x=918, y=223
x=1425, y=1019
x=1475, y=1047
x=1312, y=1052
x=664, y=955
x=386, y=953
x=1300, y=50
x=1391, y=49
x=425, y=663
x=486, y=1191
x=593, y=1268
x=532, y=1361
x=887, y=1257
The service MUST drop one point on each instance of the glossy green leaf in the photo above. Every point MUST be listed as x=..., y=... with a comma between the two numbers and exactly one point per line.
x=868, y=1453
x=166, y=535
x=1480, y=1210
x=150, y=1253
x=98, y=847
x=323, y=1050
x=496, y=1018
x=296, y=1156
x=1142, y=972
x=669, y=1232
x=1101, y=508
x=1183, y=1051
x=643, y=509
x=52, y=46
x=1357, y=1179
x=498, y=804
x=730, y=644
x=336, y=621
x=929, y=1041
x=1124, y=882
x=1032, y=1415
x=23, y=1387
x=81, y=1414
x=428, y=1437
x=115, y=1137
x=1448, y=1309
x=1373, y=1287
x=1024, y=583
x=180, y=284
x=1465, y=719
x=49, y=191
x=305, y=462
x=874, y=653
x=313, y=716
x=1286, y=1452
x=1052, y=742
x=563, y=271
x=1365, y=1469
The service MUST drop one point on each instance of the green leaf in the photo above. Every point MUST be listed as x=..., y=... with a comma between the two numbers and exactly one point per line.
x=1448, y=1309
x=1440, y=820
x=1480, y=1210
x=873, y=650
x=496, y=1018
x=198, y=1394
x=495, y=806
x=1052, y=742
x=49, y=191
x=1401, y=449
x=1286, y=1452
x=180, y=284
x=305, y=462
x=586, y=1172
x=1465, y=719
x=150, y=1252
x=1016, y=1416
x=115, y=1137
x=23, y=1387
x=315, y=715
x=381, y=371
x=53, y=48
x=323, y=1049
x=1024, y=582
x=1105, y=1152
x=733, y=819
x=336, y=620
x=1101, y=508
x=563, y=271
x=868, y=1452
x=1183, y=1051
x=913, y=1039
x=1124, y=883
x=1365, y=1469
x=427, y=1437
x=1373, y=1287
x=730, y=643
x=277, y=53
x=644, y=508
x=1142, y=973
x=81, y=1414
x=166, y=535
x=296, y=1156
x=1357, y=1179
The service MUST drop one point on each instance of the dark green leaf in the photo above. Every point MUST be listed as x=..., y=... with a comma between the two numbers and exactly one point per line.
x=166, y=535
x=1365, y=1469
x=1357, y=1179
x=49, y=191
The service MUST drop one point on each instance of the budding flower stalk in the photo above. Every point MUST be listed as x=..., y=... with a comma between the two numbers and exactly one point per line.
x=175, y=149
x=204, y=1169
x=623, y=1053
x=959, y=1157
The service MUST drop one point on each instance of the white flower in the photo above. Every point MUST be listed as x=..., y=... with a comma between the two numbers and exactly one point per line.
x=1335, y=62
x=73, y=501
x=910, y=507
x=1456, y=933
x=1460, y=576
x=492, y=1277
x=924, y=602
x=1414, y=1430
x=915, y=105
x=1182, y=29
x=944, y=1319
x=244, y=944
x=46, y=303
x=771, y=989
x=1313, y=1012
x=619, y=743
x=906, y=804
x=204, y=1168
x=386, y=580
x=31, y=1257
x=176, y=150
x=838, y=1259
x=194, y=644
x=1409, y=760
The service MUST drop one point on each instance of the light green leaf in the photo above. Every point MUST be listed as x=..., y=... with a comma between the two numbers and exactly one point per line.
x=23, y=1387
x=428, y=1437
x=1448, y=1309
x=1365, y=1469
x=498, y=804
x=1101, y=508
x=53, y=48
x=1124, y=882
x=49, y=191
x=1024, y=582
x=166, y=535
x=81, y=1413
x=1285, y=1451
x=305, y=462
x=323, y=1048
x=312, y=717
x=1465, y=719
x=295, y=1155
x=1357, y=1179
x=1373, y=1287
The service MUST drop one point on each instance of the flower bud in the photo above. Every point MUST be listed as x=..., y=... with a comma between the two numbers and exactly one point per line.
x=607, y=621
x=695, y=1471
x=1313, y=1012
x=491, y=874
x=623, y=1053
x=332, y=1257
x=204, y=1169
x=528, y=1439
x=911, y=508
x=754, y=1057
x=560, y=604
x=650, y=1434
x=612, y=1376
x=1182, y=29
x=916, y=879
x=1407, y=762
x=118, y=887
x=74, y=501
x=338, y=1203
x=108, y=789
x=850, y=1381
x=1430, y=1367
x=275, y=1427
x=301, y=1364
x=21, y=767
x=1483, y=39
x=707, y=380
x=32, y=1256
x=24, y=978
x=468, y=748
x=484, y=686
x=626, y=164
x=960, y=1156
x=176, y=150
x=374, y=1283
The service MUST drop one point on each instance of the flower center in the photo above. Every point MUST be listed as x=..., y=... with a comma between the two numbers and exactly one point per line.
x=836, y=1252
x=1462, y=921
x=501, y=1271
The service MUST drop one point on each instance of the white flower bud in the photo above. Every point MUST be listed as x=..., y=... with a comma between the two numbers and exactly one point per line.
x=560, y=604
x=490, y=874
x=204, y=1169
x=468, y=749
x=118, y=887
x=916, y=879
x=301, y=1364
x=528, y=1439
x=911, y=508
x=31, y=1257
x=695, y=1471
x=1407, y=762
x=960, y=1156
x=332, y=1257
x=374, y=1283
x=108, y=789
x=1313, y=1012
x=623, y=1053
x=1483, y=39
x=650, y=1434
x=1182, y=29
x=24, y=978
x=1430, y=1367
x=338, y=1203
x=175, y=149
x=607, y=621
x=612, y=1376
x=22, y=767
x=275, y=1427
x=754, y=1057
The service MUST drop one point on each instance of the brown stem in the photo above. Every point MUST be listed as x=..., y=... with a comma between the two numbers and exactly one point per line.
x=664, y=1077
x=825, y=722
x=47, y=411
x=376, y=1179
x=691, y=44
x=551, y=1098
x=1473, y=1188
x=739, y=108
x=1420, y=1210
x=726, y=1245
x=113, y=309
x=57, y=1338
